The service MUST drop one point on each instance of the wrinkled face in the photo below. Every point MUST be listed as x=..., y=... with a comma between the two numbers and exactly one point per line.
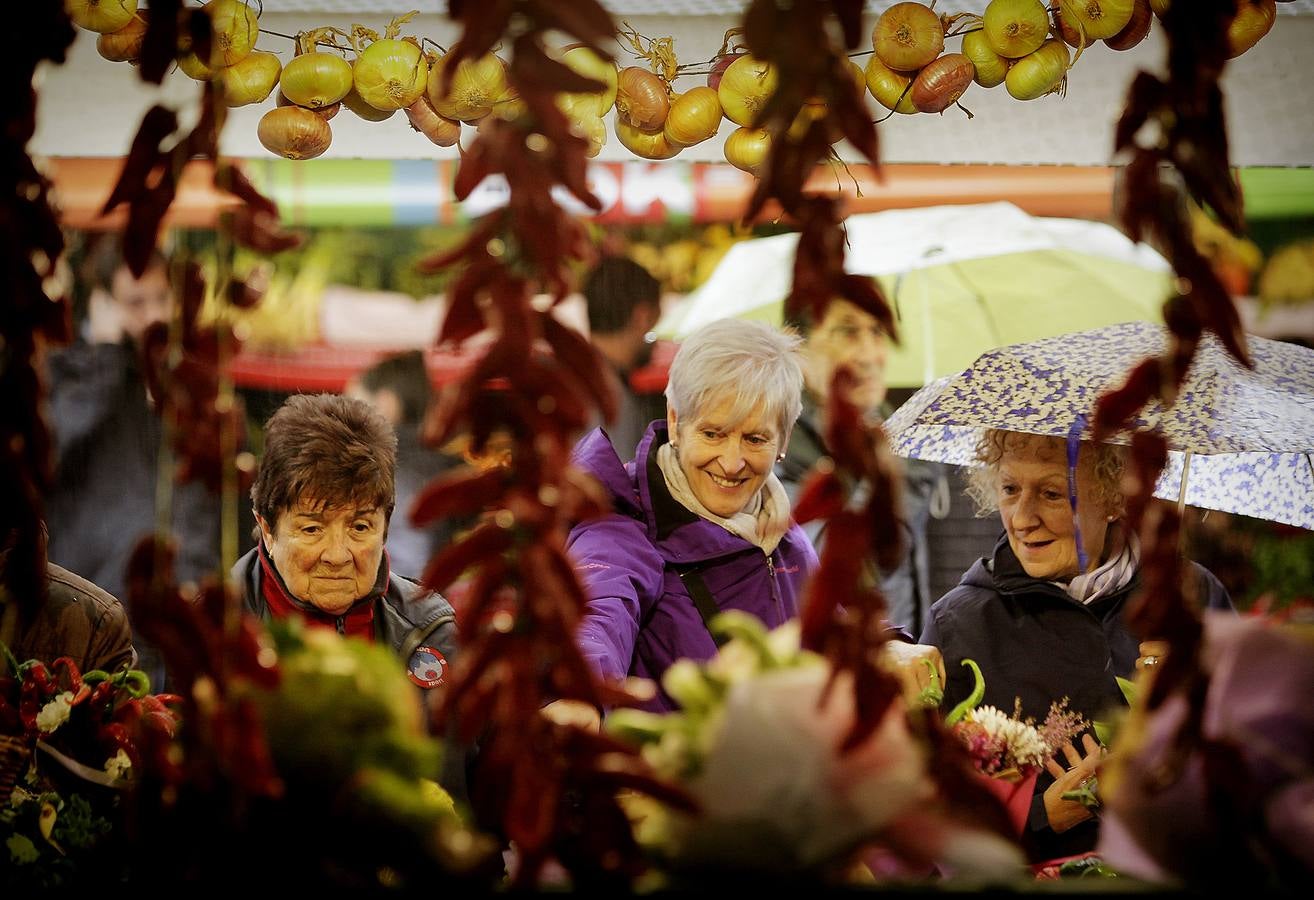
x=725, y=462
x=328, y=557
x=848, y=336
x=1033, y=503
x=142, y=302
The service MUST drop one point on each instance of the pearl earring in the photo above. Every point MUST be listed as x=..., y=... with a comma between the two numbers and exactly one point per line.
x=780, y=457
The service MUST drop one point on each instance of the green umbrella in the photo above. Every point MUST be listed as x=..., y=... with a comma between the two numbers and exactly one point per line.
x=962, y=280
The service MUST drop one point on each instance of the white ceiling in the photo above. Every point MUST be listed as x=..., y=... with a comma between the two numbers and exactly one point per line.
x=639, y=7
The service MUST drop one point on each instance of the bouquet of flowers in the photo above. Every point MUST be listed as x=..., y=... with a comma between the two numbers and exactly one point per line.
x=1009, y=751
x=69, y=741
x=758, y=745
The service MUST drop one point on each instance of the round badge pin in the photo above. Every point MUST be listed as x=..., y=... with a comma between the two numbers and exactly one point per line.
x=427, y=667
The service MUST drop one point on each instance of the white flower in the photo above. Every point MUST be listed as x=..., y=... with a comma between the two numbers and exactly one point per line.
x=776, y=791
x=119, y=765
x=54, y=713
x=1023, y=741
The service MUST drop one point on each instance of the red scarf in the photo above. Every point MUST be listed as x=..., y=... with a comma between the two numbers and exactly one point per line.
x=358, y=621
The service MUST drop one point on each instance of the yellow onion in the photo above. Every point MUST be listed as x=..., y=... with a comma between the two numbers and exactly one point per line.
x=694, y=117
x=814, y=109
x=1038, y=73
x=583, y=60
x=1015, y=28
x=1136, y=28
x=1097, y=19
x=1160, y=6
x=193, y=67
x=907, y=36
x=641, y=99
x=890, y=88
x=647, y=144
x=747, y=149
x=316, y=79
x=745, y=87
x=104, y=16
x=391, y=73
x=425, y=119
x=477, y=84
x=249, y=81
x=1253, y=20
x=589, y=125
x=324, y=112
x=939, y=84
x=124, y=45
x=990, y=66
x=859, y=77
x=233, y=29
x=294, y=132
x=356, y=103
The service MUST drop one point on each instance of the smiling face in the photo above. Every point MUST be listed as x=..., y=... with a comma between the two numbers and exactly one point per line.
x=327, y=556
x=848, y=336
x=725, y=463
x=1032, y=490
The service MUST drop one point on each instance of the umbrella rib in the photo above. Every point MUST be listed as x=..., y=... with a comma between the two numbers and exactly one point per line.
x=980, y=301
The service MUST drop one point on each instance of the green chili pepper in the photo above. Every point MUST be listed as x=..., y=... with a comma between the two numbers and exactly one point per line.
x=932, y=694
x=970, y=703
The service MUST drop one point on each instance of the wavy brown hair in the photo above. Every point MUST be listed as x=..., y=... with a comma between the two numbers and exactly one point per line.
x=332, y=450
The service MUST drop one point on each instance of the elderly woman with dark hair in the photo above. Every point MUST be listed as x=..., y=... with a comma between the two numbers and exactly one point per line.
x=1042, y=627
x=322, y=498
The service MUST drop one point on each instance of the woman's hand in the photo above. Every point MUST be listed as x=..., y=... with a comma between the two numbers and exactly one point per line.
x=1152, y=654
x=1063, y=814
x=574, y=712
x=920, y=670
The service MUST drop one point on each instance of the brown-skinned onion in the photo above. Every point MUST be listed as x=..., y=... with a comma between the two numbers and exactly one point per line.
x=294, y=132
x=642, y=101
x=124, y=45
x=939, y=84
x=1137, y=29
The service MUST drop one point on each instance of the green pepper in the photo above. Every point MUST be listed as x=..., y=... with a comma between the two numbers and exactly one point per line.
x=970, y=703
x=932, y=694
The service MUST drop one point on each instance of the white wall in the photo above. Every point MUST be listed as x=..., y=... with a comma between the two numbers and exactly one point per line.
x=90, y=107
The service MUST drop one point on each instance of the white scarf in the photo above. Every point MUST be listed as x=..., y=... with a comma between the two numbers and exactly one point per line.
x=1112, y=576
x=763, y=521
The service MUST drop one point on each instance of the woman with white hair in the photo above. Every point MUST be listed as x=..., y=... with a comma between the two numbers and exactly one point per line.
x=700, y=523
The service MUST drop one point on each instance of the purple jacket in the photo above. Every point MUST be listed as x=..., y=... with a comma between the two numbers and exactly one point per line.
x=640, y=617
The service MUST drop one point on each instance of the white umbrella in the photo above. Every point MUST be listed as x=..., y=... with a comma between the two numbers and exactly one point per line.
x=962, y=279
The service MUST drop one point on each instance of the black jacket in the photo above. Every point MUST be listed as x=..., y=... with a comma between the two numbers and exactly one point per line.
x=1035, y=643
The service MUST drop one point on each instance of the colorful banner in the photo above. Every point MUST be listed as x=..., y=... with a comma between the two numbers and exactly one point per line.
x=419, y=192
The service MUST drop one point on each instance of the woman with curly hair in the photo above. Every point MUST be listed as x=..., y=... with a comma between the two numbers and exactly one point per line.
x=1043, y=616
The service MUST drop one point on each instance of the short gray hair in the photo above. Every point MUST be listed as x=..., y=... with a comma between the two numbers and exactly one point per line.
x=749, y=361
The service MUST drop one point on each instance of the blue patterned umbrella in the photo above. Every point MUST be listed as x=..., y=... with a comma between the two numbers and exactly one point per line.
x=1242, y=440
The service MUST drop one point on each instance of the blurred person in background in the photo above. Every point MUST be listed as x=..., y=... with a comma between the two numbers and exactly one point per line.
x=849, y=336
x=624, y=304
x=107, y=442
x=398, y=387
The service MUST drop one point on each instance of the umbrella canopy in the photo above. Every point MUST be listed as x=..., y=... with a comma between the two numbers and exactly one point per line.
x=1242, y=439
x=962, y=279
